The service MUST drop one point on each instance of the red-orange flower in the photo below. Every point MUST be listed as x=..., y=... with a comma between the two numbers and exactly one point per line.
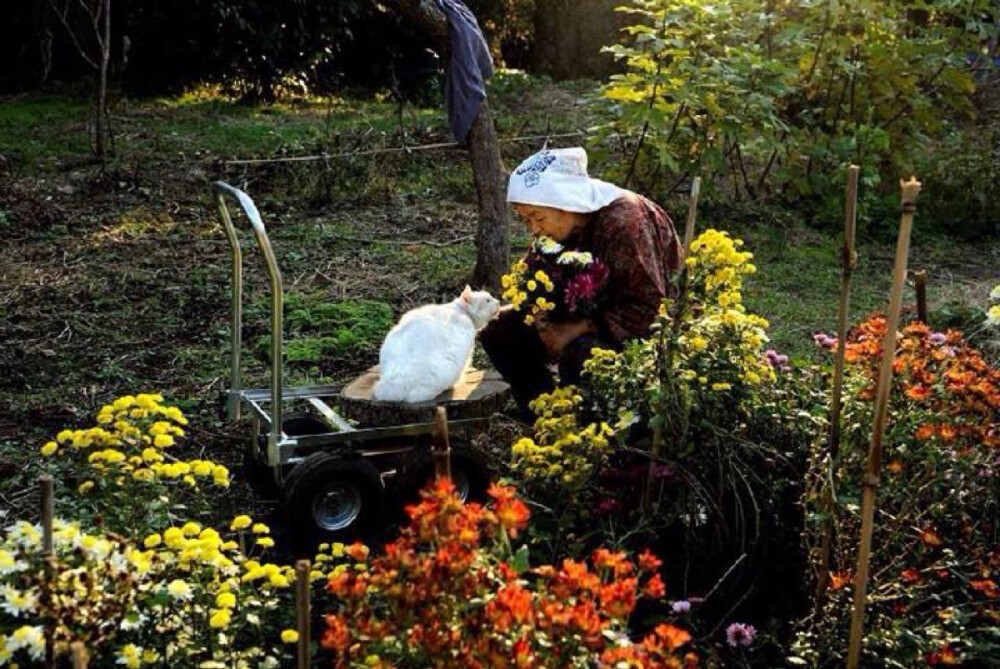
x=919, y=393
x=930, y=537
x=358, y=551
x=946, y=655
x=840, y=579
x=910, y=575
x=513, y=514
x=336, y=637
x=986, y=586
x=648, y=561
x=671, y=636
x=654, y=587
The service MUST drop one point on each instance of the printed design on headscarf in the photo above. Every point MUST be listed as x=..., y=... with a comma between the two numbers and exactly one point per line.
x=534, y=168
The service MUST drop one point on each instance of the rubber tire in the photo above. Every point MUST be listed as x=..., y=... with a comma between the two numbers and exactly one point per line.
x=308, y=478
x=419, y=471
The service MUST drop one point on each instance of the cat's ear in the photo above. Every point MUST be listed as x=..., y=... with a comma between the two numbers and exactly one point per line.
x=467, y=294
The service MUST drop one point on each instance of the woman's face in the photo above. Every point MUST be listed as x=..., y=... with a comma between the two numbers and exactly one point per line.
x=554, y=223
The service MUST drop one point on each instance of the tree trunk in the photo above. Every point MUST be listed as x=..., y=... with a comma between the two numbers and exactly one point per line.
x=102, y=86
x=493, y=229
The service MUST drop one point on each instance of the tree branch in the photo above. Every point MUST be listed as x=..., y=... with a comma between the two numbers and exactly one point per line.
x=72, y=35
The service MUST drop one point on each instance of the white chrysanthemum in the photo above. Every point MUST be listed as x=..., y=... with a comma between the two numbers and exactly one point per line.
x=25, y=534
x=95, y=548
x=133, y=620
x=579, y=258
x=119, y=564
x=30, y=638
x=9, y=564
x=995, y=293
x=993, y=316
x=65, y=534
x=131, y=656
x=178, y=589
x=547, y=245
x=17, y=602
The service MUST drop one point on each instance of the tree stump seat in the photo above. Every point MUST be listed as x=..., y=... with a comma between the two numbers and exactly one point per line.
x=478, y=394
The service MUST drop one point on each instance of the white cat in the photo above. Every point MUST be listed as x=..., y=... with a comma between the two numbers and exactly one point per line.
x=427, y=351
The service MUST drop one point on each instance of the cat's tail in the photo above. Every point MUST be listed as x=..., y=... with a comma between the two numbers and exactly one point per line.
x=395, y=389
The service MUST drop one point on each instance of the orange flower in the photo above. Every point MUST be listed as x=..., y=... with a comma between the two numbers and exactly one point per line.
x=986, y=586
x=654, y=587
x=336, y=637
x=924, y=432
x=358, y=551
x=513, y=514
x=931, y=538
x=648, y=561
x=895, y=467
x=948, y=433
x=840, y=579
x=946, y=655
x=918, y=393
x=671, y=636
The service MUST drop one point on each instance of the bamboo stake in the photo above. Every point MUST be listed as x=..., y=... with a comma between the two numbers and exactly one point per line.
x=692, y=214
x=850, y=259
x=442, y=449
x=302, y=570
x=79, y=655
x=920, y=284
x=48, y=511
x=657, y=445
x=910, y=189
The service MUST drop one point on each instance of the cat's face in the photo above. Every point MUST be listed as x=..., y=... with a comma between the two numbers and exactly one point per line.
x=481, y=305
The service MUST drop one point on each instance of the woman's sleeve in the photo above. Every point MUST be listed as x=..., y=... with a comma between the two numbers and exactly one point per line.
x=641, y=252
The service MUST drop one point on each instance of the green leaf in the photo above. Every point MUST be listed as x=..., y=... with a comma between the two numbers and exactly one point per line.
x=520, y=562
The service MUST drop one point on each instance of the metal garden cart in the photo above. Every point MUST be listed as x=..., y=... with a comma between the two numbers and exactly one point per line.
x=341, y=457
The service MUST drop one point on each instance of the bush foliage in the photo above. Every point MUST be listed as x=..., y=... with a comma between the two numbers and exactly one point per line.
x=772, y=98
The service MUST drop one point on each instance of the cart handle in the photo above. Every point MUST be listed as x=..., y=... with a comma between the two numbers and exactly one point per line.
x=277, y=309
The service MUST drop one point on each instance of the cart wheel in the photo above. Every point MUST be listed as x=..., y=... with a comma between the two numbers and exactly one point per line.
x=469, y=473
x=329, y=497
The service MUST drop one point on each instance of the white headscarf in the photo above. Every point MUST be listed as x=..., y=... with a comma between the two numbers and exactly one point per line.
x=558, y=178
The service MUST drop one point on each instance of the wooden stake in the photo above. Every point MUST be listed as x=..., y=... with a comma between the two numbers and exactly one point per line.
x=442, y=449
x=920, y=284
x=79, y=655
x=656, y=447
x=48, y=512
x=302, y=571
x=849, y=261
x=692, y=214
x=910, y=190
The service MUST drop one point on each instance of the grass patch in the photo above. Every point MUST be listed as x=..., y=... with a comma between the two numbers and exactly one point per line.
x=319, y=331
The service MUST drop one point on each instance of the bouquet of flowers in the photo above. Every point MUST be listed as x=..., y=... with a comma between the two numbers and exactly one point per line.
x=555, y=281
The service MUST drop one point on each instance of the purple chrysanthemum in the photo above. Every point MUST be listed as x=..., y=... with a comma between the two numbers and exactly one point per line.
x=586, y=285
x=607, y=505
x=937, y=338
x=662, y=471
x=740, y=634
x=683, y=606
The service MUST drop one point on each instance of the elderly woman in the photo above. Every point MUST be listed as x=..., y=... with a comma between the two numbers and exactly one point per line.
x=630, y=235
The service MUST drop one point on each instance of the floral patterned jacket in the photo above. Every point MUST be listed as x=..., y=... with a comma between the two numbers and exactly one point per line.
x=637, y=241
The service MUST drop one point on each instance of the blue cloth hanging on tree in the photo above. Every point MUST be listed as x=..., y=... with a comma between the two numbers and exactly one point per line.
x=470, y=67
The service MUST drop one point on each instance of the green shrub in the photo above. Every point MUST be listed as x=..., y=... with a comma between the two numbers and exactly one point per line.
x=772, y=98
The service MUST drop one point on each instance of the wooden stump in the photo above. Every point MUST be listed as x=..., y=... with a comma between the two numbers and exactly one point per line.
x=477, y=394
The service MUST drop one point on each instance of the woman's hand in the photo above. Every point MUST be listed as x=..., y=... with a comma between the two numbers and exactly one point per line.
x=556, y=336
